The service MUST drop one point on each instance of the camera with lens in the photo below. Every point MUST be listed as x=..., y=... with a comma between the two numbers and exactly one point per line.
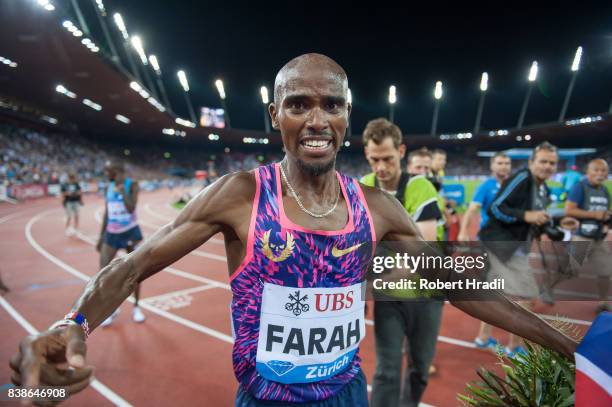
x=553, y=228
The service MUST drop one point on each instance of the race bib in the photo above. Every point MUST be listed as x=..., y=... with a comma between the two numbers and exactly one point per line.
x=308, y=334
x=118, y=214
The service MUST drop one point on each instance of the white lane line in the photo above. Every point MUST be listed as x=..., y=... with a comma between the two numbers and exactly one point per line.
x=96, y=384
x=178, y=292
x=185, y=322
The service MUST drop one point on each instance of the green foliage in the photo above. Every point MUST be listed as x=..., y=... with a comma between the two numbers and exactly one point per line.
x=541, y=378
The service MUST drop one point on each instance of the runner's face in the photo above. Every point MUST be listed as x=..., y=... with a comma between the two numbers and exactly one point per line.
x=544, y=164
x=501, y=167
x=385, y=159
x=312, y=116
x=419, y=165
x=597, y=172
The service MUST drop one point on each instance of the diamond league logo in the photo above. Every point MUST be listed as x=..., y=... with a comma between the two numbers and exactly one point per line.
x=280, y=367
x=297, y=304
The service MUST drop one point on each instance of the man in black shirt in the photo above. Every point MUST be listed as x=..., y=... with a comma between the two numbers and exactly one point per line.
x=515, y=215
x=71, y=194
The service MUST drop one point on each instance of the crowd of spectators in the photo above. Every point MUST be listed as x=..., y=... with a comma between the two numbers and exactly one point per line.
x=29, y=156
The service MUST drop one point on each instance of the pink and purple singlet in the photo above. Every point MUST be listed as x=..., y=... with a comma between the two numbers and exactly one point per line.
x=297, y=308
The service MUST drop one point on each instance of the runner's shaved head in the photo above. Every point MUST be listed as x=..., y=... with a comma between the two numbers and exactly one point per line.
x=298, y=67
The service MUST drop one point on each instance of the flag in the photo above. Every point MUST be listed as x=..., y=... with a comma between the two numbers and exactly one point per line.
x=594, y=364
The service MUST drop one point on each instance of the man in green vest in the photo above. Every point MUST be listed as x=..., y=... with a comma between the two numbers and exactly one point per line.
x=417, y=320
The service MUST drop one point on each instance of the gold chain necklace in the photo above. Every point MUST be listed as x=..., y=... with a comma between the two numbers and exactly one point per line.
x=299, y=202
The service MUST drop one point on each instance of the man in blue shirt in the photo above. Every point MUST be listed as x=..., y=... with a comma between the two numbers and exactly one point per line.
x=589, y=201
x=484, y=196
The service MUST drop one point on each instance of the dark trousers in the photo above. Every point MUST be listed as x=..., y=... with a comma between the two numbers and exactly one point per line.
x=419, y=323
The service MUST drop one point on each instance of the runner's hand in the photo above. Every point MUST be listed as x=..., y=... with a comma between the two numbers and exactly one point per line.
x=53, y=358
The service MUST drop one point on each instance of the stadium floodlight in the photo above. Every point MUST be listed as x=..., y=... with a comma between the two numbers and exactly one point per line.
x=392, y=100
x=121, y=26
x=220, y=88
x=136, y=86
x=67, y=24
x=438, y=90
x=349, y=97
x=46, y=4
x=154, y=64
x=264, y=95
x=77, y=33
x=183, y=80
x=100, y=5
x=484, y=85
x=184, y=122
x=392, y=94
x=64, y=91
x=533, y=71
x=533, y=75
x=484, y=82
x=13, y=64
x=137, y=44
x=86, y=41
x=577, y=57
x=265, y=100
x=122, y=118
x=92, y=104
x=438, y=97
x=570, y=87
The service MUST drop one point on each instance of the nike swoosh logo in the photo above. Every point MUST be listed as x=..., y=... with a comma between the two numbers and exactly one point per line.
x=341, y=252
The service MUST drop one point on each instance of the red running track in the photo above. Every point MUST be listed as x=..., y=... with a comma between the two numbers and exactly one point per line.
x=182, y=354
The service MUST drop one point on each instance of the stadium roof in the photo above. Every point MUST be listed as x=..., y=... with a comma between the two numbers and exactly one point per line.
x=47, y=55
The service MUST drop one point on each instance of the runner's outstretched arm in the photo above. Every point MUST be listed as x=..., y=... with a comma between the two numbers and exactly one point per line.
x=495, y=308
x=40, y=357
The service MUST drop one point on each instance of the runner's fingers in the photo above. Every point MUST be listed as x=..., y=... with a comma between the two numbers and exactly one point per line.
x=16, y=378
x=51, y=376
x=15, y=361
x=30, y=364
x=77, y=387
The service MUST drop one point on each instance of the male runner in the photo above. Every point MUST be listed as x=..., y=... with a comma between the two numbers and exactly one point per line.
x=417, y=320
x=484, y=195
x=120, y=228
x=292, y=230
x=71, y=200
x=589, y=201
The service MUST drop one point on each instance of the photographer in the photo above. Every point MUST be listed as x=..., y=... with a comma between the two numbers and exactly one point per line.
x=516, y=217
x=589, y=201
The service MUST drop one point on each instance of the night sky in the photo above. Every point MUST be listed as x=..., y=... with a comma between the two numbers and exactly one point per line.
x=380, y=46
